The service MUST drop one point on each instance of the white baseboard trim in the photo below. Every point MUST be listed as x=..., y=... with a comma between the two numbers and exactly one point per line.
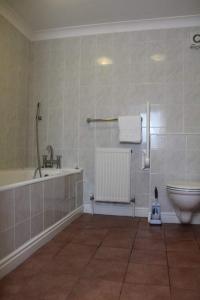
x=115, y=209
x=18, y=256
x=196, y=219
x=167, y=217
x=171, y=217
x=126, y=210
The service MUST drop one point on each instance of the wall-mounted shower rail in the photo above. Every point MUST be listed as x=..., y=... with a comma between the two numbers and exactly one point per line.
x=90, y=120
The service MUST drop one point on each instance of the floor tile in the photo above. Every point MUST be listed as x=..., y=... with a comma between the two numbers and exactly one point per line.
x=119, y=239
x=149, y=257
x=95, y=290
x=66, y=265
x=181, y=245
x=109, y=253
x=123, y=232
x=89, y=260
x=185, y=278
x=50, y=286
x=74, y=250
x=145, y=225
x=51, y=248
x=147, y=274
x=106, y=270
x=112, y=222
x=11, y=285
x=196, y=231
x=188, y=259
x=85, y=219
x=21, y=297
x=150, y=244
x=150, y=233
x=32, y=266
x=76, y=226
x=90, y=236
x=179, y=234
x=144, y=292
x=65, y=236
x=178, y=294
x=179, y=227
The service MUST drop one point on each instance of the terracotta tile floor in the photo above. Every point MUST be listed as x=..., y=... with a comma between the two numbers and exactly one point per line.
x=111, y=258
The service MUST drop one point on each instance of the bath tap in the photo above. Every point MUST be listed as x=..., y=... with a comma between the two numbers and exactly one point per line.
x=49, y=163
x=51, y=152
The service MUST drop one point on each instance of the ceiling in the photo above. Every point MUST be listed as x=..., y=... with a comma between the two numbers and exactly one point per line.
x=48, y=14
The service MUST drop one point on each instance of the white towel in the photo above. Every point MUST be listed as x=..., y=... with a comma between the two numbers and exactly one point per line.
x=130, y=129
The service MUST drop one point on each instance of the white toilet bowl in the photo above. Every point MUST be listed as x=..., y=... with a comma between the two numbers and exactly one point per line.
x=185, y=197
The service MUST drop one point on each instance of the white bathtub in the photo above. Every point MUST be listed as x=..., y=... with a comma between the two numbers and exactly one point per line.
x=19, y=177
x=32, y=211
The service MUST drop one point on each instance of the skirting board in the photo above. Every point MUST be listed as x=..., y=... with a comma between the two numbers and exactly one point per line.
x=126, y=210
x=171, y=217
x=115, y=209
x=18, y=256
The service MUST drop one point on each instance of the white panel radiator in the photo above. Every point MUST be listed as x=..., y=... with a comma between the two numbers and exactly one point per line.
x=112, y=175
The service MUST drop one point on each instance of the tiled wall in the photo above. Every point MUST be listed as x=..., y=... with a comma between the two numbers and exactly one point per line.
x=72, y=86
x=14, y=75
x=28, y=210
x=175, y=141
x=173, y=158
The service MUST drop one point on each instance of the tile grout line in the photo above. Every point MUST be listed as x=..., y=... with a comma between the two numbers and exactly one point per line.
x=100, y=244
x=126, y=271
x=136, y=230
x=168, y=267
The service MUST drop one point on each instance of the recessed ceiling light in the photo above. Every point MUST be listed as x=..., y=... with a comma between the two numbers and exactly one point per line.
x=104, y=61
x=158, y=57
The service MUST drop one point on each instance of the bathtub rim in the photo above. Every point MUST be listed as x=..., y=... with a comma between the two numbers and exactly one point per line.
x=63, y=172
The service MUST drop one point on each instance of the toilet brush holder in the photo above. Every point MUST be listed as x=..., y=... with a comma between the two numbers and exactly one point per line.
x=155, y=218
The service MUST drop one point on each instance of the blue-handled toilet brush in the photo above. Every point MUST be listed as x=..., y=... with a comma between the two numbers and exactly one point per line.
x=155, y=210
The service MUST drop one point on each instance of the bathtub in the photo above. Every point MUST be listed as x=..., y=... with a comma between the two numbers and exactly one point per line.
x=33, y=211
x=19, y=177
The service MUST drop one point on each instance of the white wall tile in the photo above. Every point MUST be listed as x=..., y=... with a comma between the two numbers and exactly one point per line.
x=14, y=76
x=191, y=118
x=122, y=88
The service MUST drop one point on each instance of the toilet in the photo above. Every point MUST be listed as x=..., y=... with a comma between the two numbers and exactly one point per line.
x=186, y=198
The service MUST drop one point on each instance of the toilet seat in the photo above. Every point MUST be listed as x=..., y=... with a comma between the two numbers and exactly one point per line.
x=184, y=187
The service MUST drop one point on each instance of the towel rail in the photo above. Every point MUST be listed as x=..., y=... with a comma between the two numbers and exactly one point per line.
x=90, y=120
x=146, y=153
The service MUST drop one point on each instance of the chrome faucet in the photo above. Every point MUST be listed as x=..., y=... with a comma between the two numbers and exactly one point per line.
x=49, y=163
x=49, y=149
